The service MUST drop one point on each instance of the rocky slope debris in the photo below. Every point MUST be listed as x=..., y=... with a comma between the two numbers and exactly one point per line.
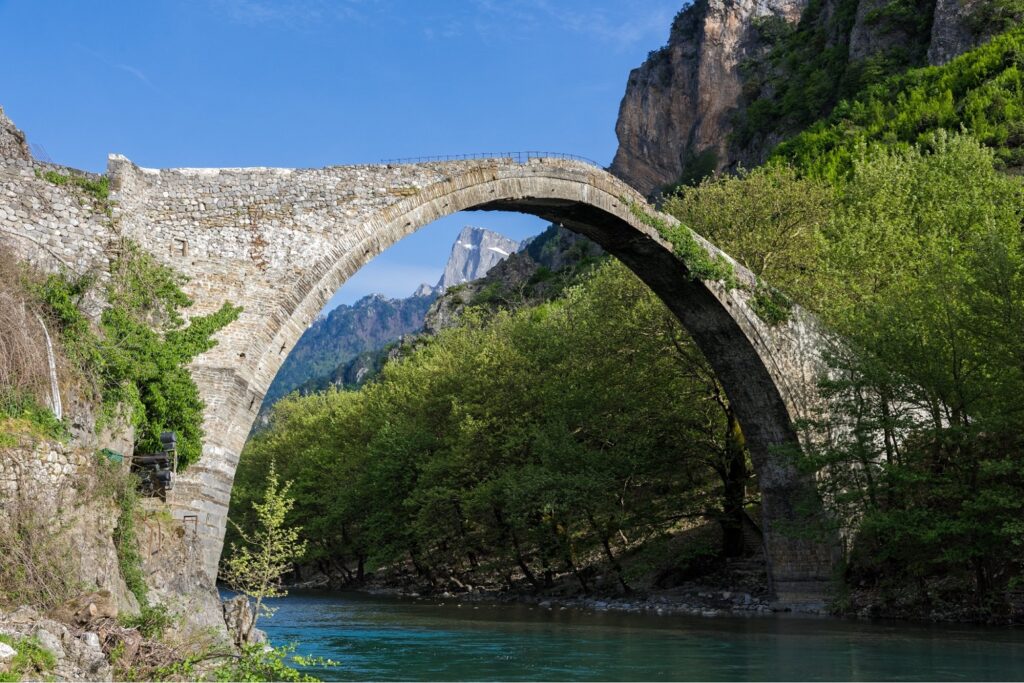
x=49, y=650
x=12, y=141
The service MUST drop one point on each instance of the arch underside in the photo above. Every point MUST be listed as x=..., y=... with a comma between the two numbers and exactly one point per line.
x=749, y=358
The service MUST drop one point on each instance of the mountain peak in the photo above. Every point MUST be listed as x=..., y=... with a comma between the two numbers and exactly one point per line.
x=476, y=250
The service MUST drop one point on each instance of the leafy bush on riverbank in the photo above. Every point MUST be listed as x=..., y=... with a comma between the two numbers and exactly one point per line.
x=136, y=358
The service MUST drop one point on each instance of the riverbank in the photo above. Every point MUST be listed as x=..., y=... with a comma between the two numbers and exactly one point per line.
x=704, y=603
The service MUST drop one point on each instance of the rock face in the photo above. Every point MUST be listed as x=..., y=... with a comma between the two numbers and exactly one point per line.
x=475, y=252
x=86, y=608
x=951, y=29
x=683, y=105
x=12, y=140
x=676, y=114
x=241, y=621
x=50, y=489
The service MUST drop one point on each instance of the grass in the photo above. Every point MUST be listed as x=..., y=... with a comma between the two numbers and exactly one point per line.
x=31, y=661
x=99, y=189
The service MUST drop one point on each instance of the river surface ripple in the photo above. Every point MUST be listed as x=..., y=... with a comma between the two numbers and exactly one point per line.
x=383, y=638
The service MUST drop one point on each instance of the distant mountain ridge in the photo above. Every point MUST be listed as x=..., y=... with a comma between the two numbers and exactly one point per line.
x=343, y=334
x=351, y=334
x=475, y=251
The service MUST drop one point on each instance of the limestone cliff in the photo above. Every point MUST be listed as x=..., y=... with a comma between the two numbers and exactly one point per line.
x=739, y=76
x=475, y=252
x=676, y=113
x=963, y=24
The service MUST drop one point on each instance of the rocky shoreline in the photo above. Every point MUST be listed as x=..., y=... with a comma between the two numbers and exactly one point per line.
x=689, y=600
x=702, y=604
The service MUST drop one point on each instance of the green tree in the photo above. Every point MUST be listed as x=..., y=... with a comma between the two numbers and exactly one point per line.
x=256, y=567
x=925, y=269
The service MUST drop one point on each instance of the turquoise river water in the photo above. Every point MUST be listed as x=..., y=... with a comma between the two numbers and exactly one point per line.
x=380, y=638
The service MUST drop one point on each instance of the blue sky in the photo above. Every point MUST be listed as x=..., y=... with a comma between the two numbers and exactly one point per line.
x=306, y=83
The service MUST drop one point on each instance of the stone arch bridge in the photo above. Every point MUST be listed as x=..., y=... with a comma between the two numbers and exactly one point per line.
x=280, y=242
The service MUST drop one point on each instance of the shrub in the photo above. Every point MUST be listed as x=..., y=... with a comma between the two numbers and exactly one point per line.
x=981, y=92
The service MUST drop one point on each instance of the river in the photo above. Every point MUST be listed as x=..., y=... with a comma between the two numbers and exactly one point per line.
x=382, y=638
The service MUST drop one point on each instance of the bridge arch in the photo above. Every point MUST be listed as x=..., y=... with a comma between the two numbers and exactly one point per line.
x=280, y=242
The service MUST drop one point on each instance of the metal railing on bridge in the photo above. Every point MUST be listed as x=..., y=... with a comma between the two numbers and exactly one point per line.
x=518, y=157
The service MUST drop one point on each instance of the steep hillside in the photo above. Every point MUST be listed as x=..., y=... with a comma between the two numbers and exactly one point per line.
x=737, y=78
x=539, y=272
x=344, y=333
x=536, y=273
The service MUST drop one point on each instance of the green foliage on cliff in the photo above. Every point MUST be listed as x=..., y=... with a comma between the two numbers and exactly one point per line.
x=138, y=356
x=26, y=410
x=99, y=188
x=980, y=92
x=127, y=543
x=32, y=661
x=915, y=257
x=808, y=69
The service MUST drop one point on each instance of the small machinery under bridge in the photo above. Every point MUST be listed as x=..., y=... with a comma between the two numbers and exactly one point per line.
x=156, y=471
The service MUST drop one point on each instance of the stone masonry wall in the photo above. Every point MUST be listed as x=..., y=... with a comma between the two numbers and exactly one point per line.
x=279, y=242
x=50, y=226
x=52, y=484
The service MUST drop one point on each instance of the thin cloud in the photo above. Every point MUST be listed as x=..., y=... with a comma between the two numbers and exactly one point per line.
x=135, y=72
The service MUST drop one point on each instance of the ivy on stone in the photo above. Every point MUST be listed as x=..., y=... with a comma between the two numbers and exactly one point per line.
x=137, y=357
x=700, y=264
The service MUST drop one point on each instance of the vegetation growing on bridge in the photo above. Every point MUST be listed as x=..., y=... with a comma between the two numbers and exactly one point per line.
x=700, y=264
x=98, y=188
x=132, y=362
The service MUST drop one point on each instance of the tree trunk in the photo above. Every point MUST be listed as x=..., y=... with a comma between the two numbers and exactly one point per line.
x=508, y=531
x=735, y=488
x=616, y=565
